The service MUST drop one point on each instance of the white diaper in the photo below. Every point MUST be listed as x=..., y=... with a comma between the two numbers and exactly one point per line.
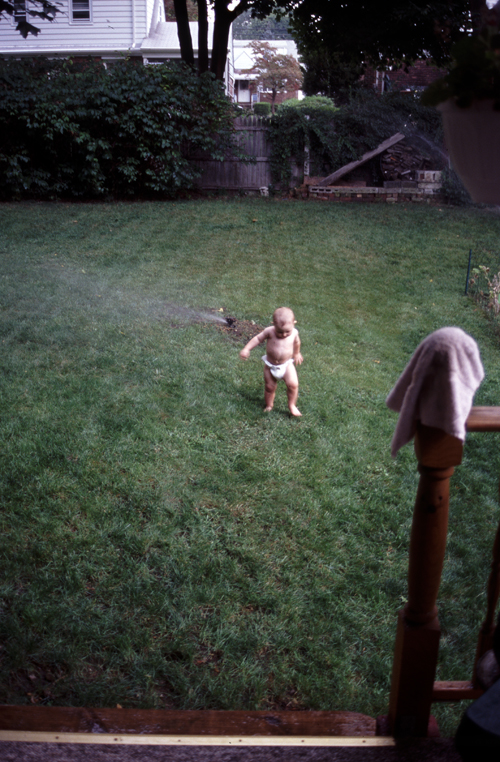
x=277, y=371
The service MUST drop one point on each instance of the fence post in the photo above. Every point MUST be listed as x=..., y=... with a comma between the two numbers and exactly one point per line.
x=418, y=630
x=468, y=273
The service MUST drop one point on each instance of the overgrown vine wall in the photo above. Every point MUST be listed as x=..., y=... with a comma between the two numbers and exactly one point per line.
x=79, y=130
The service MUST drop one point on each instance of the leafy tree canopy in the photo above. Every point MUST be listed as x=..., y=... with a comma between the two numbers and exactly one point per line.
x=248, y=28
x=361, y=32
x=331, y=74
x=35, y=9
x=351, y=33
x=274, y=71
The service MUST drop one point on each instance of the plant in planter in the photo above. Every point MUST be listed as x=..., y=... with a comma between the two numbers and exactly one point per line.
x=468, y=98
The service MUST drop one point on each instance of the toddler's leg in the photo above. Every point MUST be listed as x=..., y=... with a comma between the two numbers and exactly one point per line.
x=292, y=389
x=270, y=384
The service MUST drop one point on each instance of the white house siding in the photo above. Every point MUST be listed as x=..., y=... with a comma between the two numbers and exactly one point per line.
x=114, y=25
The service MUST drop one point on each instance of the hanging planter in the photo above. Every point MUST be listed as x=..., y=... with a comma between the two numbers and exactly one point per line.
x=468, y=98
x=472, y=137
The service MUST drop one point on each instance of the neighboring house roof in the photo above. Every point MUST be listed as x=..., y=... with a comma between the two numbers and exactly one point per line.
x=164, y=41
x=287, y=47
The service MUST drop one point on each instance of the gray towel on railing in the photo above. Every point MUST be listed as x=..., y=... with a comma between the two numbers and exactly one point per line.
x=437, y=386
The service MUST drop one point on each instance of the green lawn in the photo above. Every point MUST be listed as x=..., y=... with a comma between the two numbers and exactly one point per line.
x=165, y=543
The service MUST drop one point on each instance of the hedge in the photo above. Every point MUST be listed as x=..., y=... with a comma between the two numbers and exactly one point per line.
x=78, y=129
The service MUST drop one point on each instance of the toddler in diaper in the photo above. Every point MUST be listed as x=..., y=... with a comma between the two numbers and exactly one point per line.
x=282, y=355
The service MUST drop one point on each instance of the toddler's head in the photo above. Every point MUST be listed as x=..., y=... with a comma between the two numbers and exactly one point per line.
x=283, y=321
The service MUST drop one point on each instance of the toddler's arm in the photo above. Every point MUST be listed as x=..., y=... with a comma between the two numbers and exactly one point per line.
x=259, y=339
x=297, y=357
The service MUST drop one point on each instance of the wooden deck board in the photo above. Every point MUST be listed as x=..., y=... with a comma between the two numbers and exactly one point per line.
x=157, y=722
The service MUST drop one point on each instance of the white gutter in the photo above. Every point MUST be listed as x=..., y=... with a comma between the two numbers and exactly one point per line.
x=70, y=52
x=154, y=18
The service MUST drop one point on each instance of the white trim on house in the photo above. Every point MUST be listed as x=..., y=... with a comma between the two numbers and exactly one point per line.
x=157, y=16
x=164, y=41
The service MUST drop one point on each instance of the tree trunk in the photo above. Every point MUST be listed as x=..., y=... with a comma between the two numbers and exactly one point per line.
x=222, y=24
x=202, y=37
x=183, y=32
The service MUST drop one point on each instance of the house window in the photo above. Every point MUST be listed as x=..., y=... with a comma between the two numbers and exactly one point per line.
x=19, y=10
x=243, y=84
x=81, y=10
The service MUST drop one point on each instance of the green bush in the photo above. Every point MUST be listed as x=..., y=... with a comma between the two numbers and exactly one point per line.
x=72, y=129
x=262, y=109
x=310, y=103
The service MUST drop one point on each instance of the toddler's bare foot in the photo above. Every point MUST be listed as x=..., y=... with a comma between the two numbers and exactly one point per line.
x=295, y=411
x=268, y=408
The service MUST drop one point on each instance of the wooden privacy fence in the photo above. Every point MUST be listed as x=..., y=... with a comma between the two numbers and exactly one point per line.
x=232, y=173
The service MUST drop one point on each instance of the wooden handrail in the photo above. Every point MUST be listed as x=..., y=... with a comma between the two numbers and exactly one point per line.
x=417, y=640
x=487, y=419
x=484, y=419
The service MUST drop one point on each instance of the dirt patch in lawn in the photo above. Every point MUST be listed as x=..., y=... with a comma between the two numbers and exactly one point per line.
x=239, y=331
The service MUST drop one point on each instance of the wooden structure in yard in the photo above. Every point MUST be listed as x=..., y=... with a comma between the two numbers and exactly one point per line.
x=413, y=689
x=404, y=171
x=332, y=179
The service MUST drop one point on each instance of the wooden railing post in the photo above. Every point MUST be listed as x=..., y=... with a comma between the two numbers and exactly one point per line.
x=485, y=640
x=418, y=631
